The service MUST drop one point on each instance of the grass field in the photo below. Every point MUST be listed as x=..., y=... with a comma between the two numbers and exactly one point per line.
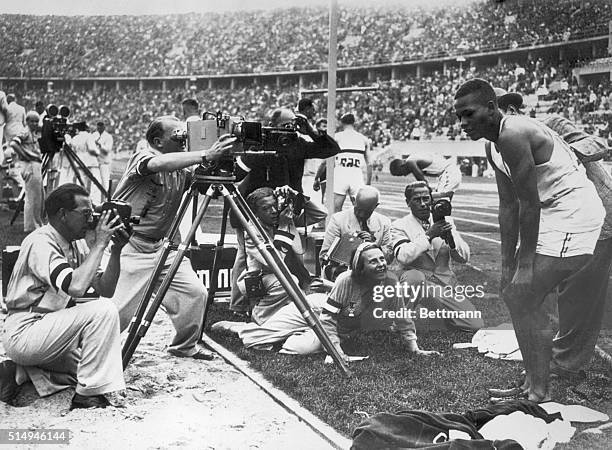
x=392, y=380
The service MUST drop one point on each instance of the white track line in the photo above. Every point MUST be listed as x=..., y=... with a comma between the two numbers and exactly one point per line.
x=475, y=236
x=480, y=213
x=478, y=222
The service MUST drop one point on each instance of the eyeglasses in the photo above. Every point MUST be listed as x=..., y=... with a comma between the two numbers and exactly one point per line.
x=87, y=213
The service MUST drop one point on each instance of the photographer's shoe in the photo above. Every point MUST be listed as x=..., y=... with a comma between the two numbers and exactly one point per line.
x=88, y=401
x=8, y=386
x=200, y=354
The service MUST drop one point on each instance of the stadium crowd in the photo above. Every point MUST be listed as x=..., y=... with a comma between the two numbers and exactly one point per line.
x=290, y=39
x=402, y=109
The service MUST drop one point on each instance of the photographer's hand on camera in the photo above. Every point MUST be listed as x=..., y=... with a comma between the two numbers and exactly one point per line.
x=109, y=225
x=303, y=125
x=365, y=236
x=286, y=192
x=438, y=229
x=285, y=217
x=222, y=147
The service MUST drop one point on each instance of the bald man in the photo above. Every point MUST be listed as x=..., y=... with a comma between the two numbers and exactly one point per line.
x=362, y=221
x=545, y=198
x=25, y=145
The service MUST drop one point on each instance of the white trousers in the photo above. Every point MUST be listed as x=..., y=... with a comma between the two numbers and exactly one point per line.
x=184, y=302
x=75, y=346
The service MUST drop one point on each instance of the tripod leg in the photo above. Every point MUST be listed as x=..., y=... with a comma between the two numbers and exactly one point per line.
x=165, y=284
x=128, y=346
x=20, y=205
x=77, y=174
x=214, y=274
x=74, y=158
x=277, y=264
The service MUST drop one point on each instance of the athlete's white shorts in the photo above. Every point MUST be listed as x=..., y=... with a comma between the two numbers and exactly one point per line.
x=563, y=245
x=348, y=180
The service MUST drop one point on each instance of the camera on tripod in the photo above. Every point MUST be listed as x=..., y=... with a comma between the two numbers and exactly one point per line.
x=56, y=126
x=440, y=209
x=124, y=210
x=251, y=138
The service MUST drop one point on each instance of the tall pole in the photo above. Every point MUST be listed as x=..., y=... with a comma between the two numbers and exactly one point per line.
x=332, y=61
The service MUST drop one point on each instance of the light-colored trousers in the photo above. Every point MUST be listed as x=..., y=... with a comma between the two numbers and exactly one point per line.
x=33, y=204
x=105, y=170
x=287, y=324
x=75, y=346
x=184, y=302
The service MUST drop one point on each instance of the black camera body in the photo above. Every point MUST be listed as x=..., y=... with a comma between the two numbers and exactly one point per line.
x=440, y=209
x=253, y=285
x=124, y=210
x=284, y=200
x=55, y=127
x=251, y=138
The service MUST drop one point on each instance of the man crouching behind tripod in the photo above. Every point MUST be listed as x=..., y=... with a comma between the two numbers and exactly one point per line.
x=153, y=183
x=58, y=333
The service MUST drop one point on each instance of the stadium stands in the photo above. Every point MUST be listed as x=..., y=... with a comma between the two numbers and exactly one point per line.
x=289, y=39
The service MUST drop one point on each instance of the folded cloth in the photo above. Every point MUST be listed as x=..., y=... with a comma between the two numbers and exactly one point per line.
x=575, y=413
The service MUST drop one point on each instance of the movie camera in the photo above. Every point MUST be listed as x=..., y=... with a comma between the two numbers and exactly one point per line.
x=251, y=138
x=56, y=126
x=124, y=210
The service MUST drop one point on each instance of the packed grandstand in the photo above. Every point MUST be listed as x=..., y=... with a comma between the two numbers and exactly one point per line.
x=404, y=107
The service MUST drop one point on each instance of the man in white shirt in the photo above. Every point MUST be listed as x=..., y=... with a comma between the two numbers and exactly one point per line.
x=104, y=145
x=86, y=149
x=15, y=118
x=354, y=154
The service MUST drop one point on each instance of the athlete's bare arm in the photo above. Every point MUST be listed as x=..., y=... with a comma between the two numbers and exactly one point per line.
x=516, y=147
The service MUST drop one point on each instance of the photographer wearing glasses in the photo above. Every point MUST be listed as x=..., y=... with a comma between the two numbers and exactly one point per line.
x=58, y=332
x=153, y=183
x=424, y=248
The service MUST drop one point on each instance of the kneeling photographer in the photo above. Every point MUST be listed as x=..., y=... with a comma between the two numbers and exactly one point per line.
x=424, y=243
x=274, y=315
x=284, y=168
x=58, y=333
x=153, y=183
